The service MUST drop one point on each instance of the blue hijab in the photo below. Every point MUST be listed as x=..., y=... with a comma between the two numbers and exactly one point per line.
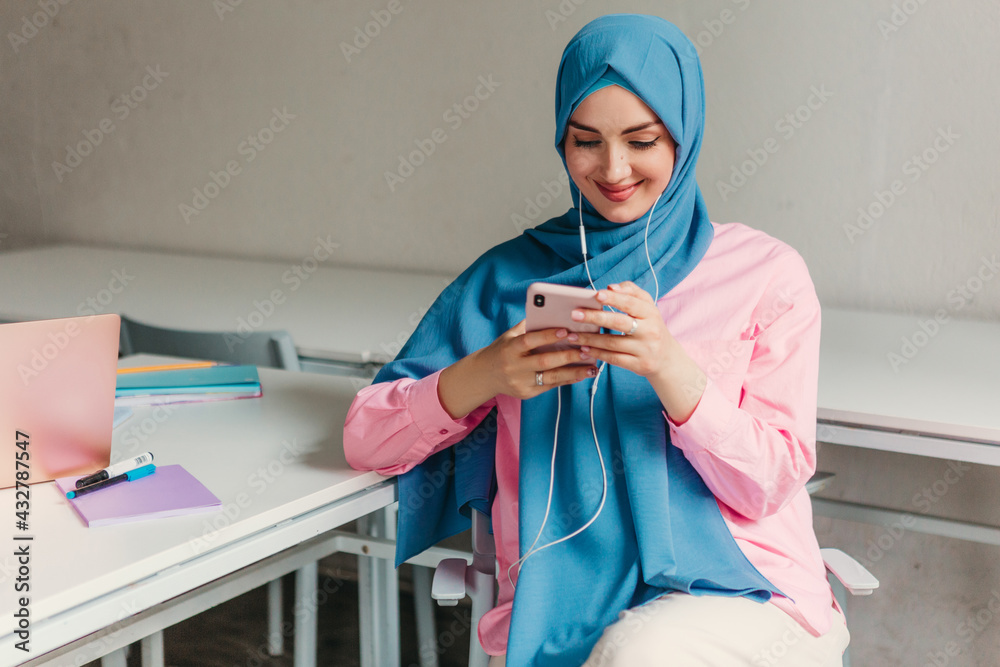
x=660, y=529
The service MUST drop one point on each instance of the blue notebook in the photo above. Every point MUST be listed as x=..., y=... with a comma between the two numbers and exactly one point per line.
x=213, y=383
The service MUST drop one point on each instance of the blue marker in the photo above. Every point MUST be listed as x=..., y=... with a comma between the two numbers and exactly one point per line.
x=129, y=476
x=116, y=469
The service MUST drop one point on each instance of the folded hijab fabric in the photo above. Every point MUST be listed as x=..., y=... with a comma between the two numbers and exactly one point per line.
x=660, y=530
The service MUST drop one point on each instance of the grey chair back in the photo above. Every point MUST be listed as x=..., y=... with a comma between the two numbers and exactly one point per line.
x=269, y=349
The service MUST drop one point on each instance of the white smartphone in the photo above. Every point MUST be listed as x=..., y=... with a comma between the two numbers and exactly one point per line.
x=550, y=306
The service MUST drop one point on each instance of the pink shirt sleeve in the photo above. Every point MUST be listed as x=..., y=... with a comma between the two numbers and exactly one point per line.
x=757, y=455
x=393, y=426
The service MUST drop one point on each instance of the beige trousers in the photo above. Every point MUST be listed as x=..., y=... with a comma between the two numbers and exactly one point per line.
x=685, y=630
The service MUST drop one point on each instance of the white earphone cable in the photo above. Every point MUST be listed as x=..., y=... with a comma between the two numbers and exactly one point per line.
x=593, y=392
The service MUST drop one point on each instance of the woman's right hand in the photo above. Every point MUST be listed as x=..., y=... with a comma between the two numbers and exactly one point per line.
x=513, y=364
x=509, y=366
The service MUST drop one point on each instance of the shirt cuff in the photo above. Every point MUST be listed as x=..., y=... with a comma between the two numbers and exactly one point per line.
x=707, y=425
x=428, y=413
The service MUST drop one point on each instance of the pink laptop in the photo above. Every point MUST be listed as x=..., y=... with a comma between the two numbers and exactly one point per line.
x=57, y=387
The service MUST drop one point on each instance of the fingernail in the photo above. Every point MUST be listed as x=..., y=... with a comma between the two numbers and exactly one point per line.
x=602, y=296
x=585, y=348
x=591, y=372
x=577, y=315
x=584, y=355
x=562, y=333
x=573, y=337
x=614, y=286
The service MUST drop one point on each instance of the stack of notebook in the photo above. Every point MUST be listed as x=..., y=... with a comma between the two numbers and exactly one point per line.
x=187, y=385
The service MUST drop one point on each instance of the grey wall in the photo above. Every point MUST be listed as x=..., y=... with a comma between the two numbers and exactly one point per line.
x=889, y=83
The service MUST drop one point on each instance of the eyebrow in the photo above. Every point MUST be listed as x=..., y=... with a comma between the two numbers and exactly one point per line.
x=630, y=130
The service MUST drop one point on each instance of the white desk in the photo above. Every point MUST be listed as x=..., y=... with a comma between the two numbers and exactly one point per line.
x=334, y=314
x=87, y=581
x=950, y=389
x=943, y=402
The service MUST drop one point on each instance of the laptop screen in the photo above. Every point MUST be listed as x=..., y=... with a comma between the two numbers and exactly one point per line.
x=57, y=397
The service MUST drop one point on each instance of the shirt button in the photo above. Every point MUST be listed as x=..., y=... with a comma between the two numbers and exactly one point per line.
x=443, y=431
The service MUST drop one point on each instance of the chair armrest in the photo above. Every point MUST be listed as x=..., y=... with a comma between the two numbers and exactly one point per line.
x=818, y=482
x=849, y=572
x=448, y=586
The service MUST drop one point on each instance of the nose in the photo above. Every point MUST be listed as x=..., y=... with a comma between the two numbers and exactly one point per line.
x=615, y=165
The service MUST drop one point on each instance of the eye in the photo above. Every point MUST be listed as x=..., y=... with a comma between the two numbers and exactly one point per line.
x=585, y=144
x=643, y=145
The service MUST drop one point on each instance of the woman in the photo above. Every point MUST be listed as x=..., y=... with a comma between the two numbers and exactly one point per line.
x=676, y=454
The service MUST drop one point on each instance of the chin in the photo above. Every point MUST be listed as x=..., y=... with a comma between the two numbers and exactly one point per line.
x=620, y=215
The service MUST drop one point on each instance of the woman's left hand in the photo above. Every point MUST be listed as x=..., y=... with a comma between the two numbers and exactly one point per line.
x=647, y=350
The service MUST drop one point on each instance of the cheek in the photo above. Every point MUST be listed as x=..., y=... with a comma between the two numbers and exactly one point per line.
x=578, y=165
x=659, y=167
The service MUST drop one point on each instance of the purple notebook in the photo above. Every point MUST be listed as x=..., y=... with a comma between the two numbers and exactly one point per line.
x=170, y=491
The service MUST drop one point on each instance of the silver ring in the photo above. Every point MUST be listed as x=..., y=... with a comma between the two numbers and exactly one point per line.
x=635, y=327
x=538, y=379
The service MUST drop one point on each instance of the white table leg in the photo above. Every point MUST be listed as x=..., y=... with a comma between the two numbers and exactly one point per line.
x=151, y=650
x=306, y=623
x=378, y=596
x=115, y=658
x=275, y=638
x=424, y=611
x=390, y=590
x=367, y=620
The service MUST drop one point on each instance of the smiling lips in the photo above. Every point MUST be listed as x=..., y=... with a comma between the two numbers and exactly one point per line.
x=618, y=193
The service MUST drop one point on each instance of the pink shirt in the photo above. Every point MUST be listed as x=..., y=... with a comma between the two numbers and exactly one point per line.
x=749, y=317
